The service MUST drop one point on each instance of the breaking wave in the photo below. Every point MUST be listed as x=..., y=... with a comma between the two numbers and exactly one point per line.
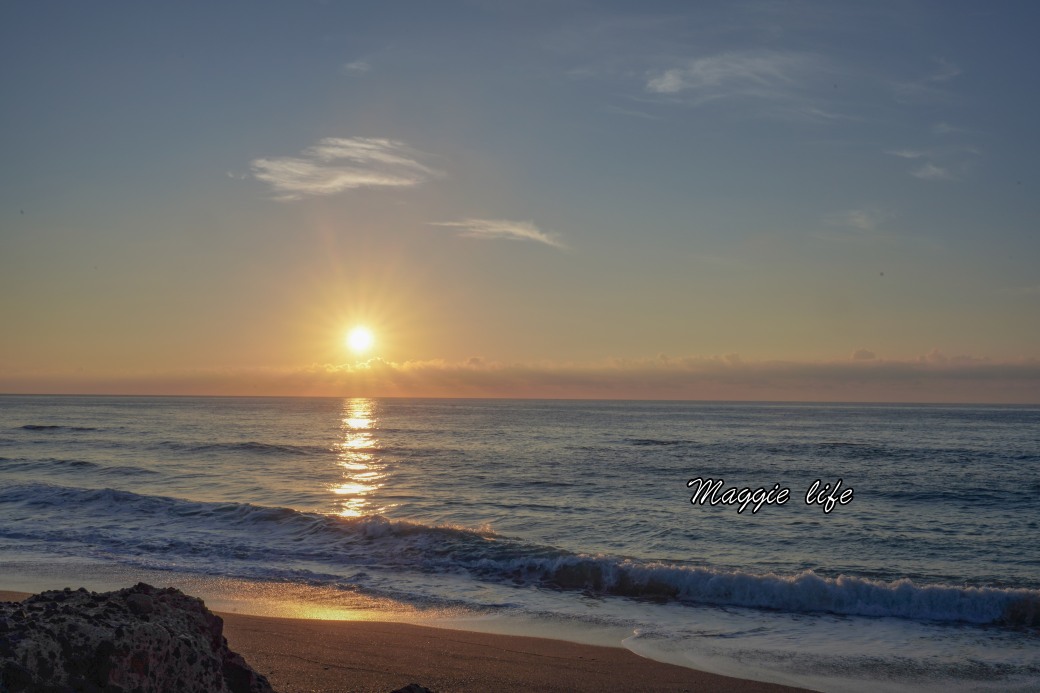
x=120, y=523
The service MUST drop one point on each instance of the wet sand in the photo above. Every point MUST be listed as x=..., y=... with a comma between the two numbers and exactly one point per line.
x=299, y=655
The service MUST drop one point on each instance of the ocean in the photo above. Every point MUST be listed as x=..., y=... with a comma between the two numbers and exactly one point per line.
x=913, y=566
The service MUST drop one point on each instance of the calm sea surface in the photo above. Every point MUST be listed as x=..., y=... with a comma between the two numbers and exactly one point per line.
x=571, y=519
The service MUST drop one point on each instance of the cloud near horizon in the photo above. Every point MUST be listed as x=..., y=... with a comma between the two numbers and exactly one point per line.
x=490, y=229
x=931, y=377
x=337, y=164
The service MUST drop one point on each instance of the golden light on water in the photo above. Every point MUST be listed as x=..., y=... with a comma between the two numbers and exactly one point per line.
x=363, y=470
x=358, y=422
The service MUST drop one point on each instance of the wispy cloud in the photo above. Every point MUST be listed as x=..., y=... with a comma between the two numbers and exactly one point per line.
x=818, y=115
x=338, y=164
x=357, y=67
x=932, y=172
x=632, y=112
x=944, y=71
x=501, y=229
x=938, y=163
x=777, y=85
x=906, y=153
x=758, y=74
x=944, y=128
x=862, y=219
x=930, y=87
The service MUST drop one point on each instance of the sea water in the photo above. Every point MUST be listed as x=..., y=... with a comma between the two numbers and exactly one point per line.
x=571, y=519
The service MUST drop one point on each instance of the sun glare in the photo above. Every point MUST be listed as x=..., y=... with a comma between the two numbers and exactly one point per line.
x=360, y=340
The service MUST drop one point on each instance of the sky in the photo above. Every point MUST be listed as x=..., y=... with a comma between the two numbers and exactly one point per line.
x=796, y=201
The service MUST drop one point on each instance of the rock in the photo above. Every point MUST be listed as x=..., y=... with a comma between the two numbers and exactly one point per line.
x=141, y=638
x=140, y=603
x=413, y=688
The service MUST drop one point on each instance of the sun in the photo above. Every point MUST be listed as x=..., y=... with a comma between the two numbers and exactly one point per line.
x=360, y=339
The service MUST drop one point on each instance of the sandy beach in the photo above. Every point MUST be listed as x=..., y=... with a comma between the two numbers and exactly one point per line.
x=300, y=655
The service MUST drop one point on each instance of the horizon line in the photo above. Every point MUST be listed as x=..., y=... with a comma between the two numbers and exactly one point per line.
x=893, y=403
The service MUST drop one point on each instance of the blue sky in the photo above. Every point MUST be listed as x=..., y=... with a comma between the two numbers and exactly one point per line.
x=195, y=189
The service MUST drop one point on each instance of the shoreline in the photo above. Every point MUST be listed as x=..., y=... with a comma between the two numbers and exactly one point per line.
x=328, y=656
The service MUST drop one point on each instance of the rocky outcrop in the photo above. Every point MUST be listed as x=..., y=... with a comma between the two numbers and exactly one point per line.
x=138, y=639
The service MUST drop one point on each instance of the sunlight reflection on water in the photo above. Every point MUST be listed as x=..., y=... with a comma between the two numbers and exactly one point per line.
x=364, y=472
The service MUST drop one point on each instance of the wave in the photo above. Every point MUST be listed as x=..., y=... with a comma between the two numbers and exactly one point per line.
x=17, y=462
x=55, y=463
x=252, y=447
x=120, y=523
x=895, y=454
x=656, y=442
x=49, y=427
